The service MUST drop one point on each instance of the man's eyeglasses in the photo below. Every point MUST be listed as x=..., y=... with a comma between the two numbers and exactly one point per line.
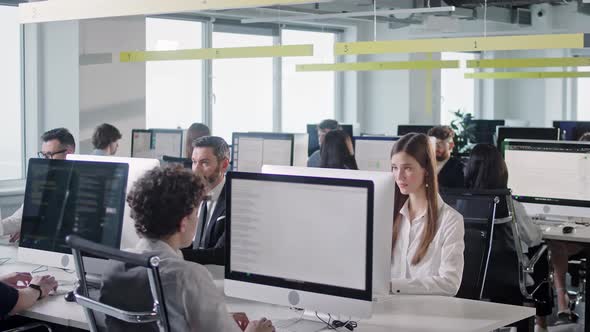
x=50, y=155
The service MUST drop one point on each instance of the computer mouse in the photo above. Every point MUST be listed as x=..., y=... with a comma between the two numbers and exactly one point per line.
x=70, y=297
x=567, y=229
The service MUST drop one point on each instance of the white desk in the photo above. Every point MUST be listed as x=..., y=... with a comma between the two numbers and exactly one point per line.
x=554, y=231
x=401, y=313
x=413, y=314
x=54, y=308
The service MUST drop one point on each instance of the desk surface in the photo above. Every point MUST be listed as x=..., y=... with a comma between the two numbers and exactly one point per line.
x=405, y=313
x=554, y=231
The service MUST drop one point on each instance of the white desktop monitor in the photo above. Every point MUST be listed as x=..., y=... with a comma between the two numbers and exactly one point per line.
x=252, y=150
x=551, y=178
x=372, y=153
x=64, y=197
x=167, y=142
x=137, y=168
x=382, y=213
x=289, y=245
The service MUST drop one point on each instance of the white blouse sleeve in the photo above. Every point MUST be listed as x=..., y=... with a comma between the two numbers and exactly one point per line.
x=450, y=272
x=11, y=225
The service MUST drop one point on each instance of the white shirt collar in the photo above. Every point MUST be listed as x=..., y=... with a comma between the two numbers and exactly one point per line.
x=404, y=211
x=216, y=191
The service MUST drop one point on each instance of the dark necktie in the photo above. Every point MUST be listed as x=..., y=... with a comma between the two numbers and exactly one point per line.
x=198, y=244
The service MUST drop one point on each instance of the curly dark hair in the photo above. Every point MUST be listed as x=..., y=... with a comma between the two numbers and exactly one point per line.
x=104, y=135
x=162, y=197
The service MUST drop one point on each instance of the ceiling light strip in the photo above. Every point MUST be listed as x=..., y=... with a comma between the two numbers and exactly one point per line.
x=521, y=42
x=64, y=10
x=373, y=66
x=308, y=17
x=218, y=53
x=529, y=62
x=530, y=75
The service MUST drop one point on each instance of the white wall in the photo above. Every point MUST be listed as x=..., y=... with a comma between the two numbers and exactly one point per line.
x=113, y=92
x=51, y=81
x=59, y=103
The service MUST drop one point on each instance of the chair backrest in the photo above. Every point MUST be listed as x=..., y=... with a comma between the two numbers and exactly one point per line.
x=156, y=310
x=478, y=208
x=525, y=265
x=185, y=162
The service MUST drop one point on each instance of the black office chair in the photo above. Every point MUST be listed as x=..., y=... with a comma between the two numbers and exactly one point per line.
x=185, y=162
x=526, y=265
x=478, y=208
x=154, y=320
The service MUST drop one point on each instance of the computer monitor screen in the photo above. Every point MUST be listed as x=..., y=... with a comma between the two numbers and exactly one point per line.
x=313, y=140
x=141, y=143
x=572, y=130
x=538, y=133
x=406, y=129
x=252, y=150
x=315, y=254
x=383, y=183
x=485, y=130
x=552, y=177
x=64, y=197
x=137, y=168
x=167, y=142
x=372, y=153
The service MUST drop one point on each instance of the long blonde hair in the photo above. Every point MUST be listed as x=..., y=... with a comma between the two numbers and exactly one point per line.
x=418, y=146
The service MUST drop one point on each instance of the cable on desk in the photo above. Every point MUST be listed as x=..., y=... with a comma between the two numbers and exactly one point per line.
x=4, y=260
x=40, y=268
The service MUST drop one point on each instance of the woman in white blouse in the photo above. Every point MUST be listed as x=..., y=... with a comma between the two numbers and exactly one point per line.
x=427, y=233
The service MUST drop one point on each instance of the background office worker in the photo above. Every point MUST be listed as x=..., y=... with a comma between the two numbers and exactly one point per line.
x=57, y=143
x=560, y=253
x=428, y=243
x=324, y=127
x=486, y=170
x=210, y=160
x=105, y=140
x=337, y=151
x=164, y=204
x=195, y=131
x=449, y=169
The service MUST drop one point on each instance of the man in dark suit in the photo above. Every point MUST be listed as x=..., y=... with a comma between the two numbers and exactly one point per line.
x=449, y=169
x=210, y=160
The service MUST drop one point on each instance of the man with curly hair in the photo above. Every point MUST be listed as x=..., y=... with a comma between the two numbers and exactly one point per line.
x=210, y=161
x=164, y=204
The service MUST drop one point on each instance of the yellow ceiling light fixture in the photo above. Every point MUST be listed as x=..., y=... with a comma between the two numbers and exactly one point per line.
x=528, y=75
x=496, y=43
x=218, y=53
x=529, y=62
x=373, y=66
x=64, y=10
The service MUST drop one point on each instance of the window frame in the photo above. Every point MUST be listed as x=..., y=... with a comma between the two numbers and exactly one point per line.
x=12, y=186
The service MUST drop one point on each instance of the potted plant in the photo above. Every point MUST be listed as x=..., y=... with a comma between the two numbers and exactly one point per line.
x=464, y=130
